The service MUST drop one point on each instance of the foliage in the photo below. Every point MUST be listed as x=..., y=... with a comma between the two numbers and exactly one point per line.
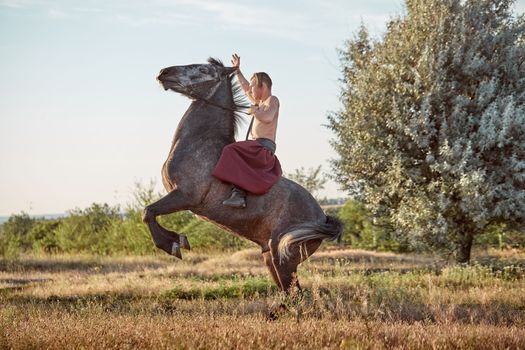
x=103, y=229
x=500, y=236
x=432, y=130
x=43, y=236
x=312, y=179
x=360, y=232
x=203, y=234
x=86, y=230
x=15, y=234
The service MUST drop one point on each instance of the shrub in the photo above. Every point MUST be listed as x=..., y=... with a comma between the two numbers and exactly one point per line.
x=87, y=230
x=203, y=234
x=360, y=232
x=15, y=237
x=43, y=236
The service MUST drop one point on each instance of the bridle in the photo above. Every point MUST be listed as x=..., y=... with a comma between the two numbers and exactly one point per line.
x=193, y=94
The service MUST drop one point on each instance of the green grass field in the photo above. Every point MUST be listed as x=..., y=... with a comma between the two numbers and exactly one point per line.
x=352, y=300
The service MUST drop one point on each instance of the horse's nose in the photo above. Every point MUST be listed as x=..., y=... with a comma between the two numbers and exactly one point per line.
x=162, y=72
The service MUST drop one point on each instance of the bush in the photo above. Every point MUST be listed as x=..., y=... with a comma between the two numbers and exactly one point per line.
x=203, y=234
x=103, y=229
x=43, y=236
x=15, y=237
x=88, y=230
x=130, y=236
x=360, y=232
x=500, y=236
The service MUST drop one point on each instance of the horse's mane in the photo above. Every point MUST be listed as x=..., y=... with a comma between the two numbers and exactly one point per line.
x=215, y=61
x=239, y=99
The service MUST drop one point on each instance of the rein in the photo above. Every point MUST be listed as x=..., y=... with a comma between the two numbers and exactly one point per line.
x=196, y=96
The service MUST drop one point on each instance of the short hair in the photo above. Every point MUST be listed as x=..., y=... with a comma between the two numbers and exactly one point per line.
x=262, y=77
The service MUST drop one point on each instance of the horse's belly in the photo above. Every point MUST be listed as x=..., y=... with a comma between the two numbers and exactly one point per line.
x=237, y=222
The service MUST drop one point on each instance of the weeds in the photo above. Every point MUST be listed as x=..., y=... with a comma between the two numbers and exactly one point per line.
x=222, y=301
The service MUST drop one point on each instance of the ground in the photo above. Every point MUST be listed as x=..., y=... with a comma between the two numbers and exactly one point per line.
x=352, y=300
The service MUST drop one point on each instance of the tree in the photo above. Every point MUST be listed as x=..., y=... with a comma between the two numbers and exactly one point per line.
x=433, y=121
x=312, y=179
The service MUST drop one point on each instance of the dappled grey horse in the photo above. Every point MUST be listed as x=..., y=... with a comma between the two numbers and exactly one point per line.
x=287, y=222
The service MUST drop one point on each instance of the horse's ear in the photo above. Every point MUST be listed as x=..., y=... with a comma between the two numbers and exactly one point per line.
x=228, y=70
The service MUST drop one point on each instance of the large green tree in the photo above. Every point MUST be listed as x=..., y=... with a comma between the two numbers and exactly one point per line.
x=432, y=128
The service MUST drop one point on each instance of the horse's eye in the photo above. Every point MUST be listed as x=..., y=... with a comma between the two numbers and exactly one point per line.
x=203, y=70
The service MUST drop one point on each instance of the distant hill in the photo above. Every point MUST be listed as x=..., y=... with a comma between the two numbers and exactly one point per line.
x=46, y=216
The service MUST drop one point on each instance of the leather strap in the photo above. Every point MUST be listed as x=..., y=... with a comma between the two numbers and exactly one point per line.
x=249, y=128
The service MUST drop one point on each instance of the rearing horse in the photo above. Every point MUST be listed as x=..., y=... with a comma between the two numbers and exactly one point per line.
x=287, y=222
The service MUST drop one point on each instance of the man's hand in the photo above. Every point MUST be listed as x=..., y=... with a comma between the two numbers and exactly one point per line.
x=236, y=64
x=253, y=109
x=266, y=113
x=236, y=61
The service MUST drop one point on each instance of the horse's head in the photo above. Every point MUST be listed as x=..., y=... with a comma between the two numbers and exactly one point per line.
x=194, y=80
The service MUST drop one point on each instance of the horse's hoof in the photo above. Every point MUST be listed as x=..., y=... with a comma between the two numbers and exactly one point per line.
x=272, y=316
x=175, y=250
x=276, y=312
x=184, y=244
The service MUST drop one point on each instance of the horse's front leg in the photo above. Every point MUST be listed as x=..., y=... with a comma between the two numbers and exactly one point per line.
x=169, y=241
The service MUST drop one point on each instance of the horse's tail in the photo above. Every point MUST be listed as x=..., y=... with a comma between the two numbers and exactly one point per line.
x=332, y=230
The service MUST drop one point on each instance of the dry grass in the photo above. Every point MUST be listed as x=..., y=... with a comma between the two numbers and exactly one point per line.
x=352, y=299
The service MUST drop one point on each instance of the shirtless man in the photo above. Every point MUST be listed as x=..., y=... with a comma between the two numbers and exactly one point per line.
x=251, y=165
x=265, y=106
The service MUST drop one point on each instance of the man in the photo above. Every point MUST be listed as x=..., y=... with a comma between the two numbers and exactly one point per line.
x=251, y=165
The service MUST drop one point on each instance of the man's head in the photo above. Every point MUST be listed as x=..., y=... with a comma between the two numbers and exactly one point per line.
x=260, y=85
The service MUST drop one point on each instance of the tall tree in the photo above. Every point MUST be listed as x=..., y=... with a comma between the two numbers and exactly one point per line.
x=433, y=120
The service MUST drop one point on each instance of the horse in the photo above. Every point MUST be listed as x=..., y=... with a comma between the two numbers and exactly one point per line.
x=286, y=222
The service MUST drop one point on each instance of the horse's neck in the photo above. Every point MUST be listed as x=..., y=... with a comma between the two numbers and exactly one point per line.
x=202, y=123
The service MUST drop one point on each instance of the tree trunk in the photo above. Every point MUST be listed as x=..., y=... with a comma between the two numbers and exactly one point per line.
x=465, y=245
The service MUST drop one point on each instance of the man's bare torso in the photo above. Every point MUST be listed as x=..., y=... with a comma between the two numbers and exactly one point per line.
x=262, y=129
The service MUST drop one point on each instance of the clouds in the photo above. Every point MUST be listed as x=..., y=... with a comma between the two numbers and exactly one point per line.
x=57, y=13
x=308, y=22
x=266, y=20
x=15, y=3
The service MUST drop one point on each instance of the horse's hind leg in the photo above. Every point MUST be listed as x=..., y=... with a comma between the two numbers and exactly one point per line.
x=284, y=272
x=287, y=268
x=169, y=241
x=268, y=260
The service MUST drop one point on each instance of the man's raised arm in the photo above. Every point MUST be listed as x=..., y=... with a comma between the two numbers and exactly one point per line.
x=245, y=84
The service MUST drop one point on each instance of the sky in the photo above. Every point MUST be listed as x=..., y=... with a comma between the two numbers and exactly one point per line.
x=82, y=117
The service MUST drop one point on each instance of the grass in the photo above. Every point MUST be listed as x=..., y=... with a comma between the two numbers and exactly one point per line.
x=351, y=300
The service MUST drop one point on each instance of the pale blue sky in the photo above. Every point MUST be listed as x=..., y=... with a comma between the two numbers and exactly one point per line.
x=83, y=118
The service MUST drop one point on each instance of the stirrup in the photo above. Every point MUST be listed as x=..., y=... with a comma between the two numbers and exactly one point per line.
x=237, y=199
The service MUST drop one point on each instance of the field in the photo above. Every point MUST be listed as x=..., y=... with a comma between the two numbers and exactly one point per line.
x=352, y=300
